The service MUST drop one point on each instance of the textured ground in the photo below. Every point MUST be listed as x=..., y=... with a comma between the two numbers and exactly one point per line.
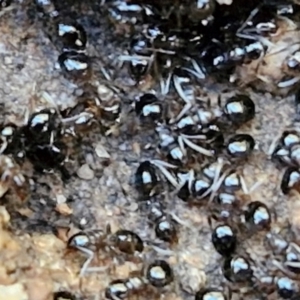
x=33, y=264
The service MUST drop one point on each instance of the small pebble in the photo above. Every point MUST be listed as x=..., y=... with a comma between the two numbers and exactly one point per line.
x=15, y=291
x=136, y=147
x=8, y=60
x=123, y=147
x=60, y=199
x=85, y=172
x=101, y=151
x=4, y=217
x=63, y=209
x=193, y=280
x=133, y=206
x=83, y=222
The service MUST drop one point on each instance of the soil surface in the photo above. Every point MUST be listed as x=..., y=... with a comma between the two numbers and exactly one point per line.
x=33, y=234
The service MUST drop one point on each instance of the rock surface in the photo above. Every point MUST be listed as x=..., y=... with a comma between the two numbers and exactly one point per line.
x=33, y=261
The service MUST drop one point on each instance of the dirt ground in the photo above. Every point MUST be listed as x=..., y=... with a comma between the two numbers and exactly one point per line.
x=33, y=260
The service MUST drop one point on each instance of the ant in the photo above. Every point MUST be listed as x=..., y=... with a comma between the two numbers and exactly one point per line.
x=91, y=241
x=158, y=274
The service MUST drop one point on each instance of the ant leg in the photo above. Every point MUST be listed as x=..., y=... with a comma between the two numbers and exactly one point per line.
x=197, y=148
x=3, y=147
x=199, y=72
x=90, y=255
x=210, y=221
x=165, y=86
x=293, y=264
x=296, y=247
x=161, y=251
x=191, y=179
x=219, y=101
x=108, y=229
x=136, y=259
x=84, y=268
x=228, y=292
x=181, y=92
x=184, y=110
x=161, y=166
x=244, y=185
x=181, y=145
x=255, y=186
x=278, y=265
x=217, y=182
x=115, y=297
x=158, y=163
x=111, y=296
x=96, y=269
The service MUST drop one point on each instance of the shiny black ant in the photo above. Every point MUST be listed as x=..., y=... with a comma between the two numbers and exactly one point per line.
x=89, y=242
